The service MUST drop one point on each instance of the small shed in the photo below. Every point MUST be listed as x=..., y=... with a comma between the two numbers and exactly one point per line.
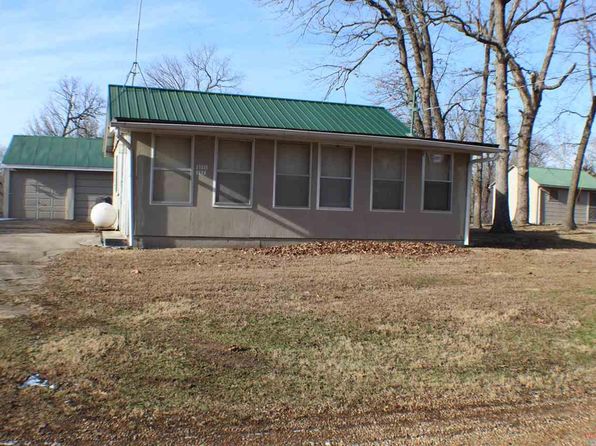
x=50, y=177
x=547, y=194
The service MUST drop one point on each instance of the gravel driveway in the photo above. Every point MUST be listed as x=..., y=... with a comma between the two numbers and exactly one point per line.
x=25, y=247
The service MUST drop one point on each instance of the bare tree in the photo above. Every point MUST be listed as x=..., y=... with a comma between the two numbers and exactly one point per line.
x=74, y=109
x=480, y=137
x=588, y=39
x=357, y=29
x=531, y=85
x=200, y=69
x=493, y=31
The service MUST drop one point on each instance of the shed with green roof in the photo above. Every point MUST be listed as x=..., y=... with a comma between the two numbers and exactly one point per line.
x=51, y=177
x=548, y=190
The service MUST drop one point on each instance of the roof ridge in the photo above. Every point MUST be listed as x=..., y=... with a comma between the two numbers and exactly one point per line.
x=550, y=168
x=58, y=137
x=312, y=101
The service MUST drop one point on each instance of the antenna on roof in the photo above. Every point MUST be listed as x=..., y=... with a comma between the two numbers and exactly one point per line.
x=136, y=68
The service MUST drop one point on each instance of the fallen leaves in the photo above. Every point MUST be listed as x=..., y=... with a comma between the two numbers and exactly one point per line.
x=392, y=249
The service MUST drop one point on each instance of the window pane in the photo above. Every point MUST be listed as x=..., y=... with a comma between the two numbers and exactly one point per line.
x=335, y=193
x=388, y=164
x=336, y=161
x=172, y=152
x=235, y=156
x=437, y=196
x=171, y=186
x=233, y=188
x=291, y=191
x=388, y=194
x=293, y=158
x=437, y=166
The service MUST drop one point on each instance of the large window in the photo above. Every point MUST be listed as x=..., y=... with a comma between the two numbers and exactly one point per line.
x=292, y=175
x=336, y=176
x=233, y=177
x=388, y=173
x=172, y=170
x=438, y=179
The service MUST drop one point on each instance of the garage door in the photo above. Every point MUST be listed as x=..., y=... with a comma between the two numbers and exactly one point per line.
x=37, y=194
x=90, y=188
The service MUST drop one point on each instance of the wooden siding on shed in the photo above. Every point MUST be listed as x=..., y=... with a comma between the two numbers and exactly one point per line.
x=554, y=202
x=39, y=195
x=90, y=188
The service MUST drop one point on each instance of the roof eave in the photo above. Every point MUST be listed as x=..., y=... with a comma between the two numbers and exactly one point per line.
x=406, y=141
x=42, y=167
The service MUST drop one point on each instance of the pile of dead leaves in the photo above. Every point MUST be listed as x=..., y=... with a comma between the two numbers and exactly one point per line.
x=391, y=249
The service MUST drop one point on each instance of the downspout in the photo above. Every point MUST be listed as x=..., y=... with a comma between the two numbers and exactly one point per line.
x=128, y=144
x=468, y=195
x=131, y=219
x=7, y=193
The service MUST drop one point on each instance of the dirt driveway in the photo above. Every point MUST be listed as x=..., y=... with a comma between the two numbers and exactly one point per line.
x=26, y=246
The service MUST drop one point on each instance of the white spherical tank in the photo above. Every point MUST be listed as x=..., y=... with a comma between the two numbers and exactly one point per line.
x=103, y=215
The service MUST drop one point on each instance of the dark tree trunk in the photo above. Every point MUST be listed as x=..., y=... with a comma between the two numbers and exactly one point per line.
x=577, y=167
x=501, y=220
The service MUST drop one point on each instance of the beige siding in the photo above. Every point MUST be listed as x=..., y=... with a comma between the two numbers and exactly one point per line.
x=262, y=221
x=38, y=194
x=554, y=202
x=90, y=188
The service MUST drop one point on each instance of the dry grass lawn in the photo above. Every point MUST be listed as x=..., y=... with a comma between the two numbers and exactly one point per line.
x=492, y=346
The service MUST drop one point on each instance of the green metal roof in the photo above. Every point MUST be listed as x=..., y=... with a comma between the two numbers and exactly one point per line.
x=57, y=151
x=548, y=176
x=194, y=107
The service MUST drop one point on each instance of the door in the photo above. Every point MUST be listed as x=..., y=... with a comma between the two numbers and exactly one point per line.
x=37, y=194
x=592, y=208
x=90, y=188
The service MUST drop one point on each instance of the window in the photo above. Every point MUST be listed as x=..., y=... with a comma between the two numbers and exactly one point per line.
x=438, y=178
x=388, y=168
x=553, y=195
x=335, y=176
x=171, y=169
x=292, y=175
x=233, y=177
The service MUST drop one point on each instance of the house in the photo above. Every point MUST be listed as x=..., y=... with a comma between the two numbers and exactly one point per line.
x=548, y=188
x=209, y=169
x=50, y=177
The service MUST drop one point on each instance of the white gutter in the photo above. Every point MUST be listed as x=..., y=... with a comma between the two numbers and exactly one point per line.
x=38, y=167
x=468, y=196
x=407, y=142
x=131, y=195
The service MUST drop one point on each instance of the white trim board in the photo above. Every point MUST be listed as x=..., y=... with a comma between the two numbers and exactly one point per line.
x=330, y=137
x=37, y=167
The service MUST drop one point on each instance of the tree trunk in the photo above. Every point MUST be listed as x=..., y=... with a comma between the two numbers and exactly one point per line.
x=478, y=180
x=501, y=220
x=523, y=161
x=577, y=167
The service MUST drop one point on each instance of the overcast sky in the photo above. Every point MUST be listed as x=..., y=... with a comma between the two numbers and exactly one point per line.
x=42, y=41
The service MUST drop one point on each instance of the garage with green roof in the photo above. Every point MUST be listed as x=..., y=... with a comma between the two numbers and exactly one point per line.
x=547, y=195
x=51, y=177
x=211, y=169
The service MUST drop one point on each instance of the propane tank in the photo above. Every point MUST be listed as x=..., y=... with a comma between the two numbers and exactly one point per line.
x=103, y=215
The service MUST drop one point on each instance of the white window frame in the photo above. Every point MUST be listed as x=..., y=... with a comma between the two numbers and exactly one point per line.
x=191, y=170
x=309, y=176
x=215, y=204
x=451, y=182
x=372, y=179
x=352, y=178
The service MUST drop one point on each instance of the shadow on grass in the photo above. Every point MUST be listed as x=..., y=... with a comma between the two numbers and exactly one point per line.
x=536, y=238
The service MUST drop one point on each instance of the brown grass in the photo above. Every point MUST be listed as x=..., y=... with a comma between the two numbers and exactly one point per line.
x=226, y=347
